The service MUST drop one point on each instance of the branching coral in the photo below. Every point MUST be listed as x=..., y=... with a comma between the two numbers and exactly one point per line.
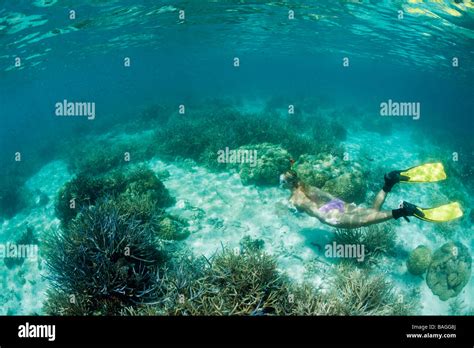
x=84, y=190
x=248, y=283
x=202, y=135
x=376, y=239
x=358, y=292
x=233, y=284
x=104, y=259
x=98, y=156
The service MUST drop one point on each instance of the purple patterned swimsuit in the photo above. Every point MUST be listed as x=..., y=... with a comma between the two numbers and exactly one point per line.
x=336, y=203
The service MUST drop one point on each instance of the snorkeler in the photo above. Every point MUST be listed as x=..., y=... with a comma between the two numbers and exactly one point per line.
x=333, y=211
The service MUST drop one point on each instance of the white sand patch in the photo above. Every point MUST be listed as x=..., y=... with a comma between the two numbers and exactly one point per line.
x=23, y=288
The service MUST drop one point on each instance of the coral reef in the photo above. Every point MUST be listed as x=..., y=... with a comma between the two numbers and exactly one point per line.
x=143, y=181
x=272, y=160
x=342, y=179
x=449, y=271
x=248, y=243
x=350, y=187
x=248, y=283
x=105, y=260
x=419, y=260
x=377, y=240
x=201, y=135
x=242, y=283
x=98, y=155
x=85, y=189
x=358, y=292
x=171, y=228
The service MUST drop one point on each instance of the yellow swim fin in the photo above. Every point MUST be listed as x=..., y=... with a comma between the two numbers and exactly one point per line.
x=429, y=172
x=443, y=213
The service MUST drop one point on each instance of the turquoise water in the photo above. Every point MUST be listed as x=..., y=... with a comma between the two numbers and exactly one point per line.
x=169, y=84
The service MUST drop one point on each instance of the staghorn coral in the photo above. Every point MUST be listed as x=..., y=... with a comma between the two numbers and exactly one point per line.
x=233, y=284
x=85, y=190
x=101, y=154
x=202, y=134
x=105, y=259
x=376, y=239
x=358, y=292
x=248, y=283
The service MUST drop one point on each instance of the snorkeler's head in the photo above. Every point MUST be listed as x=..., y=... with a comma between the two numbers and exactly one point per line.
x=289, y=179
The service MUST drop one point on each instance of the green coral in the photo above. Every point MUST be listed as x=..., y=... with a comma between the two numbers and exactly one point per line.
x=105, y=259
x=200, y=135
x=377, y=240
x=449, y=271
x=96, y=155
x=360, y=292
x=272, y=160
x=143, y=181
x=349, y=187
x=85, y=189
x=419, y=260
x=342, y=179
x=250, y=244
x=248, y=283
x=171, y=228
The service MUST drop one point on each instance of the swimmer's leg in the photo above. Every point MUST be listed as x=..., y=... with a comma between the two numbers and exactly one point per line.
x=363, y=218
x=390, y=179
x=379, y=200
